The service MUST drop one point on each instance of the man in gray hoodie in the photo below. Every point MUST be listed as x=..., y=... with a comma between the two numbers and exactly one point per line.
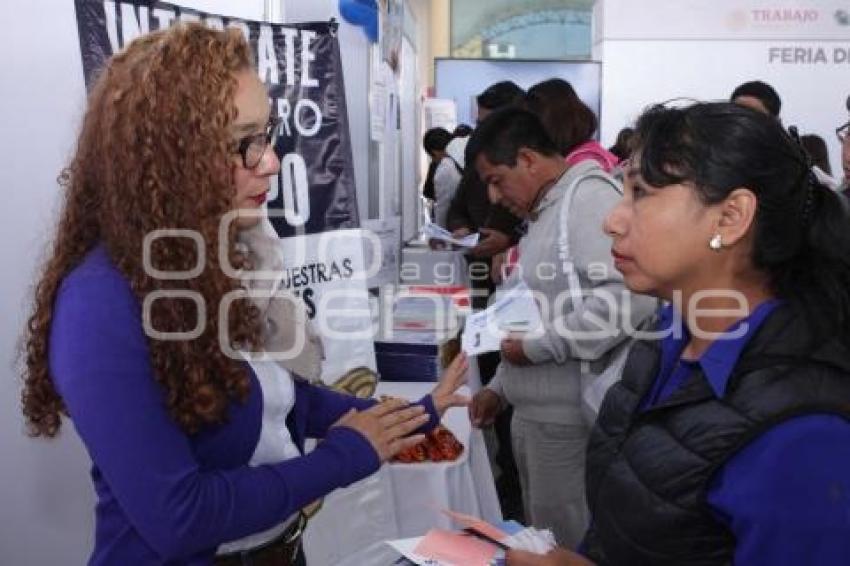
x=565, y=260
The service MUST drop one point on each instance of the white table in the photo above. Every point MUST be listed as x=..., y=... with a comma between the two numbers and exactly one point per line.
x=403, y=500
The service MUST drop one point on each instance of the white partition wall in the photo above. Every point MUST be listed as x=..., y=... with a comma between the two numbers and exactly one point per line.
x=656, y=50
x=462, y=80
x=409, y=105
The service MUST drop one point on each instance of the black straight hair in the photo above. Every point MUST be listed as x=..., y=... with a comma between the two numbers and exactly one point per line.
x=765, y=93
x=802, y=228
x=436, y=139
x=462, y=131
x=500, y=95
x=501, y=135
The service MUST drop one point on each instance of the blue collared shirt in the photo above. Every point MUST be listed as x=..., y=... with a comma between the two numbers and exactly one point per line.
x=786, y=495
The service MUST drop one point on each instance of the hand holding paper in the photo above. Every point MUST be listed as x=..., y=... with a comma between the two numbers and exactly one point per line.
x=436, y=232
x=513, y=311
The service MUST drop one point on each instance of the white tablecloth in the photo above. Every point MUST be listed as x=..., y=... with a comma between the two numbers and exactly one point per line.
x=424, y=266
x=403, y=500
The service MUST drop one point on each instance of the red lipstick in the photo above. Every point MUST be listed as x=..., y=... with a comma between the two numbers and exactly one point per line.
x=259, y=199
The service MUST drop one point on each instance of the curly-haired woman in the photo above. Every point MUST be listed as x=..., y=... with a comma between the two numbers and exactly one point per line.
x=191, y=448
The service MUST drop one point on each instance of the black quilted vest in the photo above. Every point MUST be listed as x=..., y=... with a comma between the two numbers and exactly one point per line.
x=647, y=473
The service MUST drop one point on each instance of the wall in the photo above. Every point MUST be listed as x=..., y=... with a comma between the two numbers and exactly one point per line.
x=462, y=80
x=439, y=35
x=653, y=51
x=45, y=494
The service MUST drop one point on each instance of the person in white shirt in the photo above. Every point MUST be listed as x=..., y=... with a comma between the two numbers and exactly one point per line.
x=447, y=178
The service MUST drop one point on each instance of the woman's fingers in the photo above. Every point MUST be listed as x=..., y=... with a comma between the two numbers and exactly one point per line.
x=386, y=407
x=405, y=427
x=459, y=366
x=460, y=360
x=400, y=444
x=402, y=415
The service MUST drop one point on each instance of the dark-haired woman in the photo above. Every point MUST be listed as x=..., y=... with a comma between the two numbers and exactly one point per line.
x=192, y=445
x=445, y=170
x=434, y=143
x=728, y=439
x=569, y=122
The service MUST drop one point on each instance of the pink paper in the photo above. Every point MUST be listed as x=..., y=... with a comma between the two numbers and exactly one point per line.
x=453, y=548
x=476, y=524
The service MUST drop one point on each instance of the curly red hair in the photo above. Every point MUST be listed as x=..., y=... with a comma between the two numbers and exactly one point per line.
x=155, y=152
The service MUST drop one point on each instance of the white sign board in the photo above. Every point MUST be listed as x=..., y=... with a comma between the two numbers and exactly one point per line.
x=328, y=272
x=654, y=51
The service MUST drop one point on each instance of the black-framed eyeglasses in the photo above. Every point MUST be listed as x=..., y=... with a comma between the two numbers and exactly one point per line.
x=252, y=147
x=842, y=132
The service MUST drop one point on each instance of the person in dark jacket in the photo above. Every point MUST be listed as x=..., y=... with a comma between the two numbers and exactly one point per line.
x=471, y=210
x=727, y=440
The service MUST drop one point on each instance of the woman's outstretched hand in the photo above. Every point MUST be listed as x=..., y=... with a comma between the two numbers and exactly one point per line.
x=387, y=425
x=445, y=393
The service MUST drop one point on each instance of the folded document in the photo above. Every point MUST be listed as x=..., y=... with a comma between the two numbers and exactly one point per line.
x=436, y=232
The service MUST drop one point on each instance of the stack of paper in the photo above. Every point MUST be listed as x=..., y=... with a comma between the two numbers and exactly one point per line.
x=436, y=232
x=430, y=312
x=480, y=543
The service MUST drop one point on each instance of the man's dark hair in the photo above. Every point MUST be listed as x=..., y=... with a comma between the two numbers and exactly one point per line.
x=436, y=139
x=500, y=95
x=462, y=131
x=763, y=92
x=501, y=135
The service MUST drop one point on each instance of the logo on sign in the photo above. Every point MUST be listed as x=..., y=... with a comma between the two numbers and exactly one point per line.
x=842, y=17
x=784, y=16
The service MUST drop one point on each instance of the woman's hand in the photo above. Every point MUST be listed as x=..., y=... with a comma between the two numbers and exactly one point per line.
x=445, y=393
x=557, y=557
x=387, y=425
x=513, y=352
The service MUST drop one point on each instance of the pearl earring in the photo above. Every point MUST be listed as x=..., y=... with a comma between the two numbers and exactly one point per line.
x=716, y=242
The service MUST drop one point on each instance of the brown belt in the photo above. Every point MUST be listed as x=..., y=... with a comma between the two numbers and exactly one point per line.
x=283, y=550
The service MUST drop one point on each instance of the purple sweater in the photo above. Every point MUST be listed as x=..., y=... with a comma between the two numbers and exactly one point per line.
x=165, y=497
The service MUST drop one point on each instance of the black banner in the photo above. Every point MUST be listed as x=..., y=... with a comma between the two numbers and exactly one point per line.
x=301, y=66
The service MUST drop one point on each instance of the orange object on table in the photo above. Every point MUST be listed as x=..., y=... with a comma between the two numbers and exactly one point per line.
x=440, y=445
